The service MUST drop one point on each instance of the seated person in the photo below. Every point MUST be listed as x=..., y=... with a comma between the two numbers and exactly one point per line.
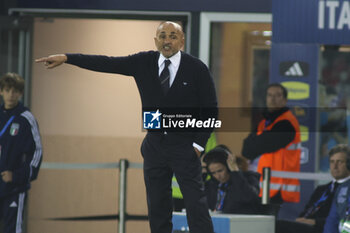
x=338, y=219
x=313, y=217
x=230, y=190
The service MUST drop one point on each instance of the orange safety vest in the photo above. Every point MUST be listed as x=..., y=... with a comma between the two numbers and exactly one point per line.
x=286, y=159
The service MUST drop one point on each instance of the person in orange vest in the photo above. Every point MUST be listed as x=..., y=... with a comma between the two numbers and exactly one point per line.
x=277, y=142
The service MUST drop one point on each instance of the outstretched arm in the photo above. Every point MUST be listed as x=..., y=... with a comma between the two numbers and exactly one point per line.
x=53, y=60
x=119, y=65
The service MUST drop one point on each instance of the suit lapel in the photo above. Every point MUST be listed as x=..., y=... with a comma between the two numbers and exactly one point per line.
x=155, y=69
x=155, y=73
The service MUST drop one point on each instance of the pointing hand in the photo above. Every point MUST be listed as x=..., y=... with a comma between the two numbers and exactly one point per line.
x=53, y=60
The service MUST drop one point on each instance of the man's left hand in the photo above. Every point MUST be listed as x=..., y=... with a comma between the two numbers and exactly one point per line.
x=6, y=176
x=197, y=152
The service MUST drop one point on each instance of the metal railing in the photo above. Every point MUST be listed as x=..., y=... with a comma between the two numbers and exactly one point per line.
x=123, y=166
x=265, y=199
x=267, y=174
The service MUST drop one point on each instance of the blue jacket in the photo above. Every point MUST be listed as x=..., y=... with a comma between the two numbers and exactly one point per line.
x=20, y=149
x=338, y=210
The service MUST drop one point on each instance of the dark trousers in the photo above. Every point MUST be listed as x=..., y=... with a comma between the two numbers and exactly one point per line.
x=11, y=212
x=163, y=156
x=286, y=226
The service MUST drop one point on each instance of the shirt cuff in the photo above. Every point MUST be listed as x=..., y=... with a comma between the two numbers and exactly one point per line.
x=198, y=147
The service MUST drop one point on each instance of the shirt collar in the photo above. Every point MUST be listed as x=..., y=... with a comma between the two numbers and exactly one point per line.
x=12, y=110
x=343, y=180
x=272, y=116
x=175, y=59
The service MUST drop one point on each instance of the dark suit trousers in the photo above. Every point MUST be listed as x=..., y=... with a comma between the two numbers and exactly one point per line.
x=164, y=155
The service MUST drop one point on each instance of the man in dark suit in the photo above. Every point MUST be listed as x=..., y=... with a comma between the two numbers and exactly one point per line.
x=167, y=78
x=312, y=219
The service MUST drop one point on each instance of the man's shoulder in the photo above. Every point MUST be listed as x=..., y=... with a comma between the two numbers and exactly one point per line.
x=190, y=58
x=19, y=109
x=345, y=184
x=288, y=114
x=287, y=117
x=150, y=53
x=322, y=187
x=144, y=57
x=27, y=116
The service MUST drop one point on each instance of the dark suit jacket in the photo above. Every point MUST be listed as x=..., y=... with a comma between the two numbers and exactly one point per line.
x=193, y=86
x=321, y=215
x=242, y=193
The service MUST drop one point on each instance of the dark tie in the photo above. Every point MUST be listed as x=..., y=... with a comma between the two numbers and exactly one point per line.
x=165, y=76
x=335, y=186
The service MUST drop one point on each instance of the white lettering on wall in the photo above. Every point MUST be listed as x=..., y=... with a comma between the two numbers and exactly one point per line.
x=344, y=18
x=321, y=15
x=338, y=14
x=332, y=5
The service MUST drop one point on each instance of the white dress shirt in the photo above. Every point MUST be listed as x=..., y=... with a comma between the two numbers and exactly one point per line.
x=173, y=67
